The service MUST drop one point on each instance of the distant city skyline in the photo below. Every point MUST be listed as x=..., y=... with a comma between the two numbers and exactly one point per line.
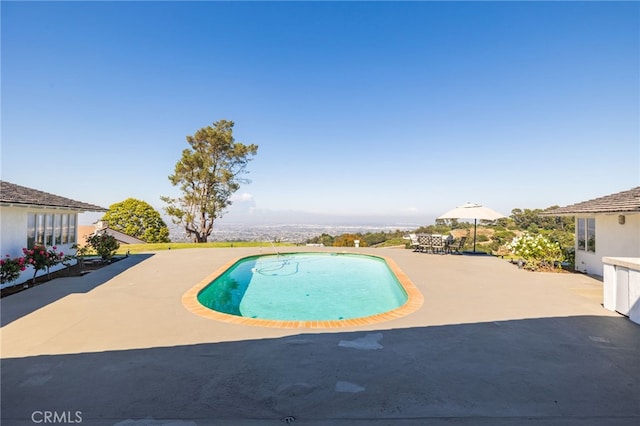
x=363, y=110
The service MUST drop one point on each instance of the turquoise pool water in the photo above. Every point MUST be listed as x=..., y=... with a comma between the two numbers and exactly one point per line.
x=305, y=287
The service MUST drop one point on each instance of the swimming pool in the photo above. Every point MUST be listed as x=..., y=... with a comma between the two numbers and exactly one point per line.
x=306, y=290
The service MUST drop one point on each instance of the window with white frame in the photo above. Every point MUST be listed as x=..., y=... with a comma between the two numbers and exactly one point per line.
x=39, y=229
x=31, y=230
x=72, y=229
x=50, y=229
x=57, y=228
x=586, y=234
x=65, y=229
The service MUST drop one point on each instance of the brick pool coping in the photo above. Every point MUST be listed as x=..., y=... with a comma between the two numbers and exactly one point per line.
x=414, y=301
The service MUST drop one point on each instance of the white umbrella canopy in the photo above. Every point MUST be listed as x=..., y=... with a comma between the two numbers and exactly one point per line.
x=472, y=211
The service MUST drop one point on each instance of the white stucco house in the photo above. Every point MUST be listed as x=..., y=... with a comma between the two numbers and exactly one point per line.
x=30, y=217
x=607, y=226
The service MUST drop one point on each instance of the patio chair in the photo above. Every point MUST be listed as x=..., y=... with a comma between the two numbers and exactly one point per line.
x=457, y=245
x=437, y=244
x=415, y=244
x=425, y=243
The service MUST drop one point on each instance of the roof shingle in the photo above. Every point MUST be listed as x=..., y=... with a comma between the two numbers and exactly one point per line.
x=11, y=193
x=621, y=202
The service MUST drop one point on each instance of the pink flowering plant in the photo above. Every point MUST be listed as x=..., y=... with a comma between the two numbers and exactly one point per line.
x=10, y=268
x=42, y=258
x=56, y=257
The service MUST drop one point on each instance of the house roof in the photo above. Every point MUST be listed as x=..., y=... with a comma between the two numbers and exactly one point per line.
x=12, y=194
x=84, y=231
x=621, y=202
x=122, y=237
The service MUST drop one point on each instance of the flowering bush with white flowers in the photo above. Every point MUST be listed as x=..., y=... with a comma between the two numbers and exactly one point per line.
x=537, y=251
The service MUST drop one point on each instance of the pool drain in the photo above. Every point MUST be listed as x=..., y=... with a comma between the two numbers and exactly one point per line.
x=289, y=419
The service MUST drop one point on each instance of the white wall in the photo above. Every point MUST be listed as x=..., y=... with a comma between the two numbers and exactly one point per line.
x=13, y=236
x=612, y=240
x=13, y=230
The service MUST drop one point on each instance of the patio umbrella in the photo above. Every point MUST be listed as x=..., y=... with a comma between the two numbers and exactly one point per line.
x=475, y=212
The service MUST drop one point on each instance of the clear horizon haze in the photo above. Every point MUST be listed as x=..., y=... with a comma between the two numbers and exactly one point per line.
x=363, y=111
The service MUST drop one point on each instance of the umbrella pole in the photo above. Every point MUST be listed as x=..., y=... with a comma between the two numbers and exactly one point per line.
x=475, y=224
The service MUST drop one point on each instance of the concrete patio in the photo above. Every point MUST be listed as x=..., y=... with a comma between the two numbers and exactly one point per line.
x=491, y=345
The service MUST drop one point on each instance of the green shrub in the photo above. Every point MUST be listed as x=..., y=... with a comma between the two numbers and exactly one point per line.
x=570, y=257
x=482, y=238
x=104, y=245
x=504, y=235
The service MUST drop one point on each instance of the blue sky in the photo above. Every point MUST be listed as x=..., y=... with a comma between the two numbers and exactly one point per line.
x=361, y=109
